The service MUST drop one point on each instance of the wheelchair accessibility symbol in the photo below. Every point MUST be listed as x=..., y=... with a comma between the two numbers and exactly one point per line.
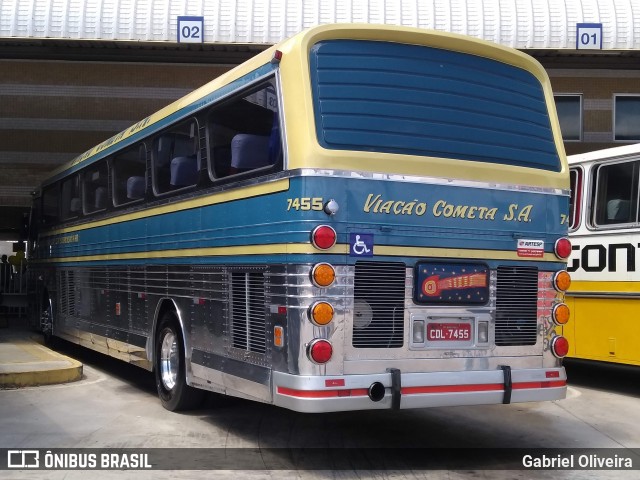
x=361, y=244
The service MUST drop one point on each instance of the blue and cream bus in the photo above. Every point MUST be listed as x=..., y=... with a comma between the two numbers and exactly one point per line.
x=360, y=217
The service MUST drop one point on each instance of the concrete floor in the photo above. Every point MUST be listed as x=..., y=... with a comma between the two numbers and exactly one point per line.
x=115, y=406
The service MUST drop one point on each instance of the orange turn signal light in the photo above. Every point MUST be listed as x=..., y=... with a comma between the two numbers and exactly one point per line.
x=562, y=281
x=561, y=314
x=321, y=313
x=323, y=275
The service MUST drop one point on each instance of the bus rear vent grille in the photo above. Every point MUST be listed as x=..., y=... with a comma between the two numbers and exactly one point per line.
x=379, y=292
x=516, y=306
x=248, y=327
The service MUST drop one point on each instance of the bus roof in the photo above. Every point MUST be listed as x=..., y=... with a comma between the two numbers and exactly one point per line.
x=294, y=70
x=606, y=153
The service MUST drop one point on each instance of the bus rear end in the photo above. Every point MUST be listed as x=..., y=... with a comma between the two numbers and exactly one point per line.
x=427, y=174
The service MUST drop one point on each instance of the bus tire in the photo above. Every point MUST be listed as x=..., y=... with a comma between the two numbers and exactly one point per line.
x=170, y=369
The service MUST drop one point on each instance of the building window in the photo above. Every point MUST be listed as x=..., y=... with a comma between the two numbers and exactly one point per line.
x=569, y=108
x=626, y=126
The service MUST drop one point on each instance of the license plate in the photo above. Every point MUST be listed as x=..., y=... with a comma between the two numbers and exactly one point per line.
x=448, y=332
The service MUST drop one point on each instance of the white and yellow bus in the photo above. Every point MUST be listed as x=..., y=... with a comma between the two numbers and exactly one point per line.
x=604, y=297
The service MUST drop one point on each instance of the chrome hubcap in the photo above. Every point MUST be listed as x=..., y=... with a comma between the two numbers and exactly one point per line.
x=169, y=361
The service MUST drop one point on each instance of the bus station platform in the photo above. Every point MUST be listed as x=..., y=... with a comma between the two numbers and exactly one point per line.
x=25, y=361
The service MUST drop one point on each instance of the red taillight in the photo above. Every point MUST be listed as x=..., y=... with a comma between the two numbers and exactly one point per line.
x=323, y=237
x=319, y=351
x=559, y=346
x=562, y=248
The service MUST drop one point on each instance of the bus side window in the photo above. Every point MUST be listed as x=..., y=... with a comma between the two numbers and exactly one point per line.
x=129, y=175
x=616, y=193
x=575, y=210
x=176, y=159
x=70, y=198
x=50, y=204
x=244, y=133
x=95, y=191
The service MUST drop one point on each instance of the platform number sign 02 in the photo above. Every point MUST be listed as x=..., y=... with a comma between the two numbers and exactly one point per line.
x=589, y=36
x=190, y=29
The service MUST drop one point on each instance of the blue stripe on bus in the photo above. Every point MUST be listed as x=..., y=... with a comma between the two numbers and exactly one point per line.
x=409, y=99
x=407, y=214
x=170, y=119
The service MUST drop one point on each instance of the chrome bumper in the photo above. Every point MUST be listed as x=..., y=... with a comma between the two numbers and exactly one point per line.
x=316, y=394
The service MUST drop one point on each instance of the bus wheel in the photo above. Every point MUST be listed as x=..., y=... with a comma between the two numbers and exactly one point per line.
x=173, y=390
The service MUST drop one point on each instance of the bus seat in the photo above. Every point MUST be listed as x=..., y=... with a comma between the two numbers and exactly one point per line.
x=618, y=210
x=249, y=152
x=184, y=171
x=135, y=187
x=100, y=197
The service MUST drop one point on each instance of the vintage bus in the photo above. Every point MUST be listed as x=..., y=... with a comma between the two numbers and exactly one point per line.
x=605, y=233
x=361, y=217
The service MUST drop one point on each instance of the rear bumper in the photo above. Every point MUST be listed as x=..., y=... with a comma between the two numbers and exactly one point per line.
x=315, y=394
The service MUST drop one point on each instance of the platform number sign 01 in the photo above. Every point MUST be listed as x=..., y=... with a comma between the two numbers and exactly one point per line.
x=190, y=29
x=589, y=36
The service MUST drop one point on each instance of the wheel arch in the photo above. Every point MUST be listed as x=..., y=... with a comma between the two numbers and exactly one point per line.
x=164, y=305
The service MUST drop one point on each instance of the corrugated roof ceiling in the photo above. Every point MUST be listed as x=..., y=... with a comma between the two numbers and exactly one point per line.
x=522, y=24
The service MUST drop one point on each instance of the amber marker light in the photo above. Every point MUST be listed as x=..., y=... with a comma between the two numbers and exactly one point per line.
x=278, y=336
x=321, y=313
x=319, y=351
x=559, y=346
x=561, y=314
x=562, y=281
x=323, y=237
x=323, y=275
x=562, y=248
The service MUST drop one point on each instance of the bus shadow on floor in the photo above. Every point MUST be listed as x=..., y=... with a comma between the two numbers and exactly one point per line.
x=615, y=378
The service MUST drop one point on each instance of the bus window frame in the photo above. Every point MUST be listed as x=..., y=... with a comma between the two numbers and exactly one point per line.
x=271, y=80
x=193, y=120
x=113, y=160
x=53, y=189
x=596, y=203
x=65, y=212
x=577, y=196
x=95, y=167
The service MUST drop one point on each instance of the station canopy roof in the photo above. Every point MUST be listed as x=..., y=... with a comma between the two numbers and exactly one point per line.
x=230, y=24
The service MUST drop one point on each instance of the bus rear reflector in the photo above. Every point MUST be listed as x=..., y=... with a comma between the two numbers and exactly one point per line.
x=562, y=248
x=562, y=281
x=323, y=275
x=319, y=351
x=561, y=313
x=321, y=313
x=559, y=346
x=323, y=237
